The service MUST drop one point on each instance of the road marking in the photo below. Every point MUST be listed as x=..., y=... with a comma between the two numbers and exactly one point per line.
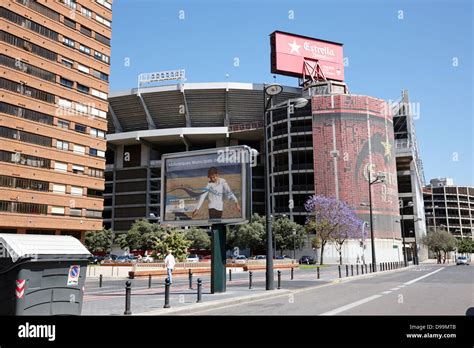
x=402, y=286
x=394, y=289
x=420, y=278
x=352, y=305
x=386, y=292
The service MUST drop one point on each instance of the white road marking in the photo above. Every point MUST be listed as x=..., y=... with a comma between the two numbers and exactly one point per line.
x=419, y=278
x=352, y=305
x=386, y=292
x=394, y=289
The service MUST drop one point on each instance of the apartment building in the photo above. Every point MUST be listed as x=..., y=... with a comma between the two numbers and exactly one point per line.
x=54, y=83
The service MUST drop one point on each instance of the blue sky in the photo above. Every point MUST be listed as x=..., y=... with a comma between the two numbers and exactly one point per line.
x=390, y=46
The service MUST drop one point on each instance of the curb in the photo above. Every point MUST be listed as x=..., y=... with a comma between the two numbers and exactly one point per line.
x=263, y=296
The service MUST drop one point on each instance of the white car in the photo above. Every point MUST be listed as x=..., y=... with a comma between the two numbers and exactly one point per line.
x=240, y=259
x=462, y=260
x=147, y=259
x=192, y=258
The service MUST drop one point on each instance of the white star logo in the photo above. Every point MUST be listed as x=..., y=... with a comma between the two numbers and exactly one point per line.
x=294, y=47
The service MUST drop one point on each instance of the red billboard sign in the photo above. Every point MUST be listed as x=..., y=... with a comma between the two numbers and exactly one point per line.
x=296, y=55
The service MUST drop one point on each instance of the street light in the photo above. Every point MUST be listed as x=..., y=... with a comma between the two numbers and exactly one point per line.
x=380, y=178
x=294, y=244
x=271, y=91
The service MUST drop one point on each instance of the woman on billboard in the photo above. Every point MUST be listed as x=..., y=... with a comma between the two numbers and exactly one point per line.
x=216, y=189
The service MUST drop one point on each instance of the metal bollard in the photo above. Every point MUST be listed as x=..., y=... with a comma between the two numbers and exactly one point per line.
x=370, y=268
x=100, y=281
x=250, y=279
x=190, y=276
x=365, y=268
x=357, y=269
x=339, y=268
x=352, y=270
x=230, y=275
x=199, y=291
x=291, y=273
x=167, y=293
x=362, y=269
x=128, y=295
x=317, y=271
x=279, y=279
x=149, y=281
x=347, y=270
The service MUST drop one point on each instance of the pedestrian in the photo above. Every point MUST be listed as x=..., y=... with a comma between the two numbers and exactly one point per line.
x=169, y=264
x=216, y=190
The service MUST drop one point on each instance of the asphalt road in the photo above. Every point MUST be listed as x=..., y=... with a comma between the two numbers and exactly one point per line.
x=422, y=290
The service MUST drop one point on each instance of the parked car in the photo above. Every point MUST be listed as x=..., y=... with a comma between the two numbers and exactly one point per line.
x=282, y=257
x=95, y=259
x=240, y=259
x=260, y=257
x=192, y=258
x=462, y=260
x=147, y=259
x=126, y=258
x=308, y=260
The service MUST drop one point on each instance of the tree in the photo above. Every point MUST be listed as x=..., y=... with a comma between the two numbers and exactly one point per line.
x=251, y=235
x=143, y=235
x=330, y=220
x=199, y=238
x=465, y=245
x=283, y=230
x=98, y=241
x=440, y=241
x=175, y=241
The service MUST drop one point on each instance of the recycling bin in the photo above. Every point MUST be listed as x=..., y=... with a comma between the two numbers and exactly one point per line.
x=41, y=274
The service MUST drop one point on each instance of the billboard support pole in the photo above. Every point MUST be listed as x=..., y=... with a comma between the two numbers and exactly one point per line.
x=218, y=269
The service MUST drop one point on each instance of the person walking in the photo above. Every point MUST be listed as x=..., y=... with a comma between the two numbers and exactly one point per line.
x=169, y=264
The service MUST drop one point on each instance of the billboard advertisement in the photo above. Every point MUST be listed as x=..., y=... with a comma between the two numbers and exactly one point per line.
x=206, y=187
x=289, y=52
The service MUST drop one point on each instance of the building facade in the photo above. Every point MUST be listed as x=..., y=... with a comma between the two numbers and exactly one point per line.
x=55, y=63
x=450, y=207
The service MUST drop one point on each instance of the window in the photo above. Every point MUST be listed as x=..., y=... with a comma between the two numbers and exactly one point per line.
x=86, y=31
x=80, y=128
x=103, y=39
x=81, y=109
x=57, y=210
x=40, y=8
x=25, y=137
x=96, y=133
x=68, y=42
x=86, y=12
x=62, y=145
x=84, y=49
x=59, y=188
x=66, y=83
x=76, y=191
x=67, y=62
x=70, y=3
x=60, y=167
x=77, y=169
x=30, y=47
x=82, y=88
x=75, y=212
x=100, y=75
x=99, y=94
x=100, y=56
x=24, y=184
x=102, y=20
x=27, y=68
x=104, y=3
x=82, y=68
x=100, y=113
x=97, y=173
x=64, y=103
x=69, y=23
x=79, y=149
x=63, y=124
x=94, y=193
x=95, y=214
x=97, y=153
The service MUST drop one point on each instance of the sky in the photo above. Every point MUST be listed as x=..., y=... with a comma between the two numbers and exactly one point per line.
x=422, y=46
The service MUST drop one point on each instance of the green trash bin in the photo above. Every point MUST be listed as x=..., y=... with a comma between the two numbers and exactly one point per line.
x=41, y=274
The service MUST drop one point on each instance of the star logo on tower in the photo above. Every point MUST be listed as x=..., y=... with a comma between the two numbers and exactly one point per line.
x=294, y=47
x=388, y=148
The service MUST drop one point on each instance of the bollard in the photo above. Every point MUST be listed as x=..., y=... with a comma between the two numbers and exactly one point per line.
x=199, y=291
x=317, y=271
x=149, y=281
x=352, y=270
x=100, y=281
x=339, y=268
x=230, y=275
x=291, y=273
x=167, y=293
x=279, y=279
x=347, y=270
x=190, y=276
x=250, y=279
x=357, y=269
x=370, y=268
x=361, y=269
x=365, y=268
x=128, y=294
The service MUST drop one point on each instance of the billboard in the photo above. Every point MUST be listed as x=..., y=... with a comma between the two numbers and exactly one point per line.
x=206, y=187
x=289, y=52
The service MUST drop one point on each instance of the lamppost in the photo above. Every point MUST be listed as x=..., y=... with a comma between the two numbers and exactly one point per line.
x=415, y=254
x=380, y=178
x=294, y=244
x=271, y=91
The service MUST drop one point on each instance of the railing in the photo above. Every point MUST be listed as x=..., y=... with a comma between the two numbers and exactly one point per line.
x=402, y=143
x=245, y=126
x=141, y=266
